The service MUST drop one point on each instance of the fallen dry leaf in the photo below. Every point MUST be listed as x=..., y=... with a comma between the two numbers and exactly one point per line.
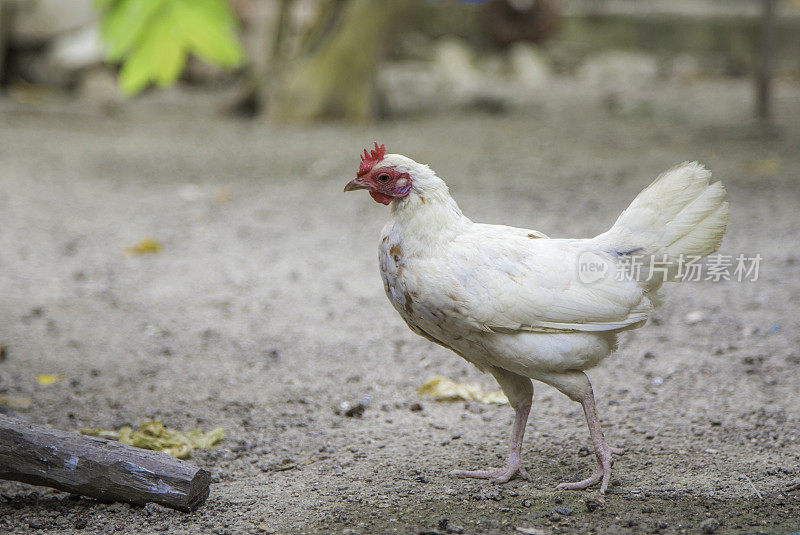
x=444, y=389
x=16, y=403
x=223, y=195
x=764, y=166
x=46, y=379
x=145, y=246
x=152, y=435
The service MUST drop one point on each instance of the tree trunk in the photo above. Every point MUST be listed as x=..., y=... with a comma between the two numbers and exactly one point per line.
x=333, y=75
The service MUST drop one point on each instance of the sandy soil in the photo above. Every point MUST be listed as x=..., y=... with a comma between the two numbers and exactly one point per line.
x=265, y=309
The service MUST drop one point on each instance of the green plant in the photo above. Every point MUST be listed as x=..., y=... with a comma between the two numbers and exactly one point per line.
x=152, y=38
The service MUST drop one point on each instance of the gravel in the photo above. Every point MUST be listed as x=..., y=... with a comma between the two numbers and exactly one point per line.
x=267, y=296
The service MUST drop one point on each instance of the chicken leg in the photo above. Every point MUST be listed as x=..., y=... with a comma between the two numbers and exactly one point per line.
x=578, y=388
x=519, y=391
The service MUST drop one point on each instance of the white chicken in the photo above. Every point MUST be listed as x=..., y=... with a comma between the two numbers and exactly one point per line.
x=522, y=306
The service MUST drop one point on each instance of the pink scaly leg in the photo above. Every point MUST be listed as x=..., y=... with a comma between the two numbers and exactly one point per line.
x=603, y=451
x=513, y=464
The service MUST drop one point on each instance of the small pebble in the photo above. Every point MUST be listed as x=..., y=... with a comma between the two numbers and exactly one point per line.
x=694, y=317
x=80, y=523
x=488, y=493
x=350, y=409
x=593, y=504
x=444, y=525
x=563, y=511
x=709, y=526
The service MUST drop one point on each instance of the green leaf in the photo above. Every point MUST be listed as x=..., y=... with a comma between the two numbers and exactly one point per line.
x=152, y=38
x=125, y=22
x=207, y=36
x=159, y=58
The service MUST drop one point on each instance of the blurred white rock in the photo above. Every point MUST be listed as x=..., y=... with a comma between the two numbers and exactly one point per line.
x=62, y=61
x=456, y=77
x=70, y=53
x=685, y=67
x=453, y=61
x=408, y=87
x=37, y=21
x=619, y=69
x=694, y=317
x=78, y=49
x=529, y=66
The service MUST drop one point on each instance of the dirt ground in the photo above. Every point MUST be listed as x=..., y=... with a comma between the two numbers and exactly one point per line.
x=265, y=309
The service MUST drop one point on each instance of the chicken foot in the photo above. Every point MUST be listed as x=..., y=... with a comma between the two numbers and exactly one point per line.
x=602, y=473
x=519, y=391
x=514, y=463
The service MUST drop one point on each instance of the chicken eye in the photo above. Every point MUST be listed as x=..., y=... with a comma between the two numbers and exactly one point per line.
x=383, y=178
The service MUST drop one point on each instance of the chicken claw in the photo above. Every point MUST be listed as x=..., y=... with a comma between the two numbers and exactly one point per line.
x=496, y=475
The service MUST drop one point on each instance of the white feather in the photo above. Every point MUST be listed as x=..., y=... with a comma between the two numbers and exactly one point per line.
x=512, y=298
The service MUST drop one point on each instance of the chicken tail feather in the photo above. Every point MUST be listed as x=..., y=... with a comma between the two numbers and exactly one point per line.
x=679, y=214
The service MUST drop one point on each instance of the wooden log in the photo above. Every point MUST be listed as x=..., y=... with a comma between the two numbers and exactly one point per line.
x=98, y=468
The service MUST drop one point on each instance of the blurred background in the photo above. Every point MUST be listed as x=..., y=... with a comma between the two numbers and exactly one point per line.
x=175, y=246
x=361, y=59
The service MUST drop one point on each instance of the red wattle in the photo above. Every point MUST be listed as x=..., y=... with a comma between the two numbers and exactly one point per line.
x=380, y=197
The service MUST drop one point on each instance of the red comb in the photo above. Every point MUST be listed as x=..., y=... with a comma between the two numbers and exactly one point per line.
x=369, y=159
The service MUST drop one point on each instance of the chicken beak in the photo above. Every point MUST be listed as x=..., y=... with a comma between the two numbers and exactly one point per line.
x=355, y=184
